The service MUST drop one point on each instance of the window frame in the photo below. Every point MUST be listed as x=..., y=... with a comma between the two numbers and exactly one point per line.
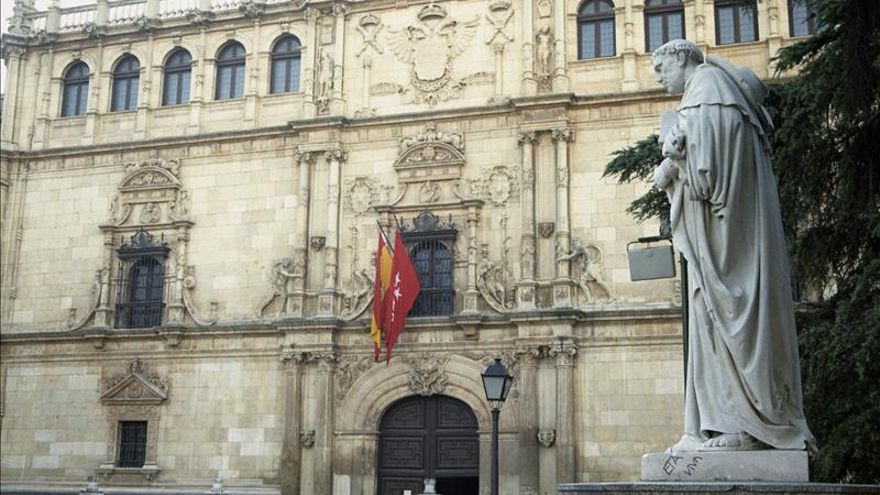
x=287, y=58
x=427, y=229
x=811, y=18
x=130, y=311
x=596, y=18
x=81, y=83
x=237, y=66
x=664, y=11
x=130, y=77
x=172, y=70
x=737, y=28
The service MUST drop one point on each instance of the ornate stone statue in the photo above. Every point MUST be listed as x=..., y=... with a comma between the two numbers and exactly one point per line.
x=544, y=47
x=590, y=279
x=743, y=387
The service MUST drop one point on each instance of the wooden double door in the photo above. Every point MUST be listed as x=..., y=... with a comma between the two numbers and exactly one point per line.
x=429, y=437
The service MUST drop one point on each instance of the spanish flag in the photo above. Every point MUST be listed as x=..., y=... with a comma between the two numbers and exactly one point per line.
x=380, y=288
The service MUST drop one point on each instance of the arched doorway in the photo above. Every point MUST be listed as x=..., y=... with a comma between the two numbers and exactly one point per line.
x=429, y=437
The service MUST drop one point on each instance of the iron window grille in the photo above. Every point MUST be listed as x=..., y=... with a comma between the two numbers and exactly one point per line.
x=596, y=29
x=125, y=84
x=801, y=20
x=230, y=72
x=178, y=70
x=285, y=65
x=430, y=244
x=141, y=282
x=664, y=21
x=75, y=94
x=132, y=444
x=735, y=23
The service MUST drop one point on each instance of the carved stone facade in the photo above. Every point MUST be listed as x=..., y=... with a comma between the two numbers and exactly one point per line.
x=473, y=114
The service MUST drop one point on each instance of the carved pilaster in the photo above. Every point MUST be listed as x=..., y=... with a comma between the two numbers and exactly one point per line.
x=528, y=358
x=291, y=454
x=562, y=136
x=323, y=425
x=563, y=350
x=471, y=294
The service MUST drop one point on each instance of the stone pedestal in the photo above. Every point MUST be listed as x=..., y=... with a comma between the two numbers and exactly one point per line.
x=706, y=488
x=758, y=465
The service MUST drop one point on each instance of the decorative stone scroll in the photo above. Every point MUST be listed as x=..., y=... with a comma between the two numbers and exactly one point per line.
x=430, y=155
x=349, y=369
x=430, y=48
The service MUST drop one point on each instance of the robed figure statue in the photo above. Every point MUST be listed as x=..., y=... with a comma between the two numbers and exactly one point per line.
x=743, y=386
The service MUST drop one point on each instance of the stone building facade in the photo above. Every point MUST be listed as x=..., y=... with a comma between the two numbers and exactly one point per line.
x=190, y=199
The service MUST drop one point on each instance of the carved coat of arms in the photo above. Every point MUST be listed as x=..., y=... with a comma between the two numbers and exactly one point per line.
x=430, y=48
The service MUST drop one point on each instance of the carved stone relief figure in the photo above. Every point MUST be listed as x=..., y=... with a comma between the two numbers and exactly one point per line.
x=325, y=81
x=544, y=58
x=357, y=302
x=282, y=271
x=590, y=278
x=490, y=282
x=179, y=208
x=429, y=192
x=151, y=213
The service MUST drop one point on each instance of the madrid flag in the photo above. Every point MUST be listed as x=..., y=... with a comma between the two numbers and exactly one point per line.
x=402, y=293
x=380, y=289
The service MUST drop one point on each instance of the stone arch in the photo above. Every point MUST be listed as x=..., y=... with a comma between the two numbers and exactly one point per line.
x=61, y=69
x=379, y=387
x=116, y=55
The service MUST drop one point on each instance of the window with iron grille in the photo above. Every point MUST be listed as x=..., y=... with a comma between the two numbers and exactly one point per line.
x=132, y=444
x=140, y=288
x=735, y=22
x=430, y=243
x=664, y=21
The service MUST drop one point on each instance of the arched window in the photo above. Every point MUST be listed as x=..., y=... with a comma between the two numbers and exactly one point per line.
x=664, y=21
x=230, y=72
x=285, y=65
x=75, y=94
x=734, y=22
x=125, y=84
x=596, y=29
x=140, y=287
x=178, y=67
x=801, y=21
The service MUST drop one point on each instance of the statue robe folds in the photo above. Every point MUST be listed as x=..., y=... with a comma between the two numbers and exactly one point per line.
x=743, y=373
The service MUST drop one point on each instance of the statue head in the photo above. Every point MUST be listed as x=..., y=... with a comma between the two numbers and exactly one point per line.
x=674, y=62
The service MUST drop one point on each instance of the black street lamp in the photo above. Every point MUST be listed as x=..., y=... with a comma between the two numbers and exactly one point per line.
x=497, y=382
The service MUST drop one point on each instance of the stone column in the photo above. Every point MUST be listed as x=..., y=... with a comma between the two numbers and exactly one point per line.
x=197, y=85
x=53, y=16
x=471, y=294
x=327, y=299
x=289, y=471
x=525, y=287
x=14, y=57
x=629, y=13
x=563, y=285
x=102, y=12
x=294, y=304
x=560, y=72
x=100, y=78
x=340, y=11
x=252, y=90
x=564, y=350
x=13, y=231
x=324, y=431
x=529, y=84
x=498, y=50
x=366, y=111
x=176, y=308
x=529, y=476
x=310, y=52
x=47, y=86
x=104, y=313
x=146, y=85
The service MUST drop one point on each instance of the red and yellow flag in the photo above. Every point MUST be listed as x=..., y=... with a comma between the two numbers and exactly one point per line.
x=402, y=293
x=380, y=288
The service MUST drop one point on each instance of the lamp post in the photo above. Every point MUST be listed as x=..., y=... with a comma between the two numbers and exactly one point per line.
x=496, y=382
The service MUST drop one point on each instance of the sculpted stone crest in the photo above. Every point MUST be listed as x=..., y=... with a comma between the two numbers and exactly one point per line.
x=430, y=48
